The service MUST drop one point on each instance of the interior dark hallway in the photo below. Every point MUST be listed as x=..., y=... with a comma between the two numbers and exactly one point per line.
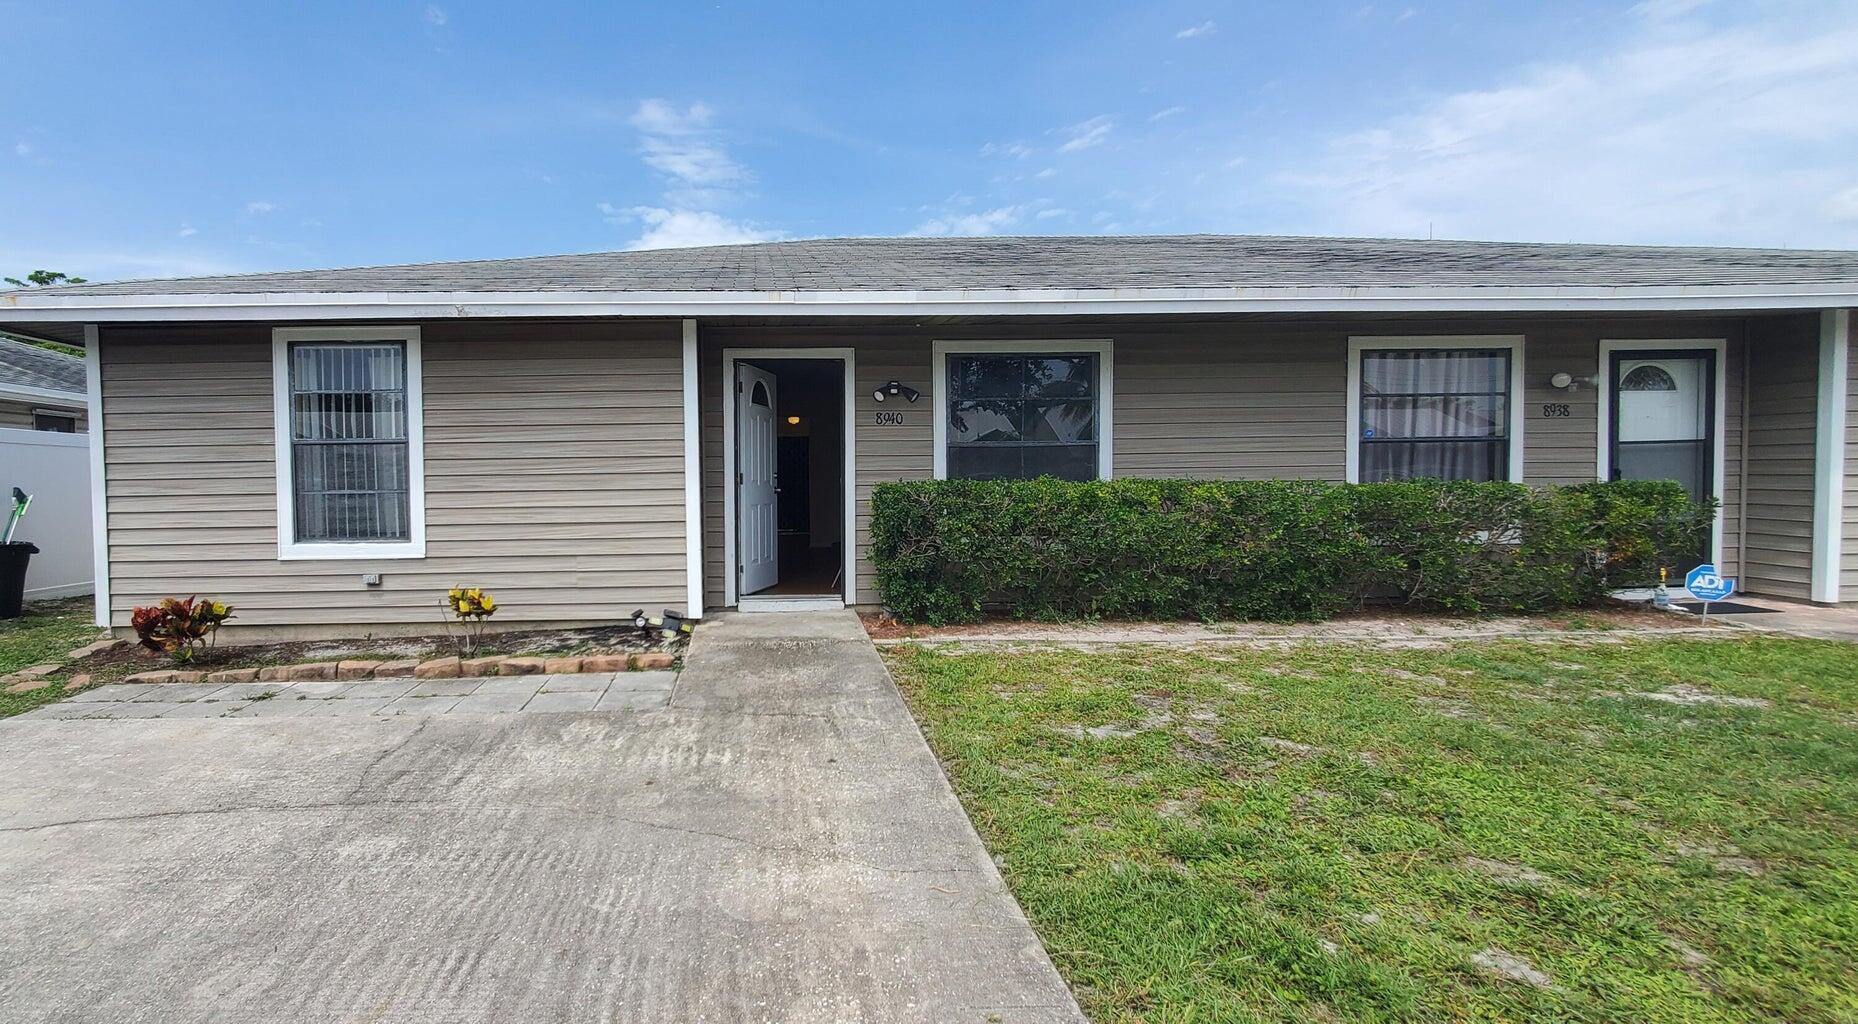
x=810, y=456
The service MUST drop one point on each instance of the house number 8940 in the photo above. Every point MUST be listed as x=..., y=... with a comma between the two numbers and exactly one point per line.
x=888, y=419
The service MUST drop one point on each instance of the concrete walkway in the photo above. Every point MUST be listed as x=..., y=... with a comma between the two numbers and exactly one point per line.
x=1819, y=622
x=580, y=691
x=775, y=845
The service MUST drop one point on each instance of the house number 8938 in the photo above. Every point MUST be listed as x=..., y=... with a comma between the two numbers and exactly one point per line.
x=1557, y=410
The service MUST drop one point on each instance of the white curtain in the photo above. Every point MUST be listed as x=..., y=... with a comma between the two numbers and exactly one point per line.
x=1435, y=414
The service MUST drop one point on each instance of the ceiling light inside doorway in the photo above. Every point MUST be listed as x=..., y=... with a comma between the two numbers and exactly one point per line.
x=793, y=421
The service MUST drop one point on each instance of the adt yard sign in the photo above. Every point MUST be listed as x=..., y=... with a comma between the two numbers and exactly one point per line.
x=1705, y=585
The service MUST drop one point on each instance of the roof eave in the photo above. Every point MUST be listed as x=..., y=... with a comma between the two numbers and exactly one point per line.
x=43, y=396
x=49, y=306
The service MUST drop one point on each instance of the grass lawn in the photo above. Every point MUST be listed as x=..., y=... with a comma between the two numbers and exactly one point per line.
x=1647, y=830
x=44, y=633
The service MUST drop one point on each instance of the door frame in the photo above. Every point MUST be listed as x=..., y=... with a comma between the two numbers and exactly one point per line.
x=848, y=476
x=1718, y=351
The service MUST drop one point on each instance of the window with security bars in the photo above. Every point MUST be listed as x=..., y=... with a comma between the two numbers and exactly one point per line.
x=1440, y=414
x=349, y=448
x=1017, y=417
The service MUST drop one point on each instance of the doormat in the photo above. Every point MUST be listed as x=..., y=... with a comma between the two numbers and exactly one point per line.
x=1724, y=608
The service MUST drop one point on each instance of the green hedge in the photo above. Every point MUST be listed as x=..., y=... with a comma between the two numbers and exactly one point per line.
x=947, y=550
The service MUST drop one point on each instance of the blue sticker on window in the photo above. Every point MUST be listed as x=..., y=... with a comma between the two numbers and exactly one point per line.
x=1368, y=433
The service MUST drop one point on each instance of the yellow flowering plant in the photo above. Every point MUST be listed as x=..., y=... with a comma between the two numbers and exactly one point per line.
x=470, y=608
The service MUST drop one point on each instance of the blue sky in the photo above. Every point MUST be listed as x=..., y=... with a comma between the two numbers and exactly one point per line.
x=152, y=140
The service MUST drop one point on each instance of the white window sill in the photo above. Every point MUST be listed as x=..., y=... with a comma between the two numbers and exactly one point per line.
x=337, y=552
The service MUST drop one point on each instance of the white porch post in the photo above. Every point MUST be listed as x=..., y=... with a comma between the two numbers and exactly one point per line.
x=1835, y=330
x=693, y=481
x=99, y=504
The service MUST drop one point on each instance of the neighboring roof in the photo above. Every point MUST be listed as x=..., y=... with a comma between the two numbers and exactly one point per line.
x=1075, y=263
x=36, y=369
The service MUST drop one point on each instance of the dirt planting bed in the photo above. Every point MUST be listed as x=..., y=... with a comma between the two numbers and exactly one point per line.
x=596, y=649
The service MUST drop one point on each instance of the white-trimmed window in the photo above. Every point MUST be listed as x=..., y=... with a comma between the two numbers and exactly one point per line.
x=351, y=468
x=1012, y=410
x=56, y=421
x=1440, y=408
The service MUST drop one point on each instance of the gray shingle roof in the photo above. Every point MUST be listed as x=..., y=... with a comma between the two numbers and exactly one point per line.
x=1051, y=262
x=23, y=365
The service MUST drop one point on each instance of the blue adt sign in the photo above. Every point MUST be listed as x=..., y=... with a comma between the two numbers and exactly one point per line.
x=1705, y=585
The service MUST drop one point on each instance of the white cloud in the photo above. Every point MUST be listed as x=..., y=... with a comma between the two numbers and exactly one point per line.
x=1016, y=150
x=22, y=148
x=985, y=222
x=1162, y=115
x=1205, y=28
x=661, y=117
x=1086, y=134
x=1666, y=10
x=1055, y=211
x=187, y=231
x=258, y=206
x=436, y=16
x=1683, y=132
x=1843, y=205
x=679, y=229
x=682, y=145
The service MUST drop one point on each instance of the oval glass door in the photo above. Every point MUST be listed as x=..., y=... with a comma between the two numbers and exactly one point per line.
x=1662, y=419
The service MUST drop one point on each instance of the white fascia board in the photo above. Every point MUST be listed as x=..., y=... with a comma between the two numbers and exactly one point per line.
x=40, y=307
x=43, y=396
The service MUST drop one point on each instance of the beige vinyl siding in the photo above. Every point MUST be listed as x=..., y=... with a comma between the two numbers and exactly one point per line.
x=1244, y=399
x=1247, y=401
x=1565, y=450
x=554, y=476
x=1783, y=397
x=20, y=414
x=1231, y=402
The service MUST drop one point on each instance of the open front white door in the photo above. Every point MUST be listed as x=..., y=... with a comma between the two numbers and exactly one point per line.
x=757, y=504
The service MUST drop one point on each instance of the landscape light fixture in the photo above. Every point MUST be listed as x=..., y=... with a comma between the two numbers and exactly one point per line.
x=896, y=388
x=669, y=625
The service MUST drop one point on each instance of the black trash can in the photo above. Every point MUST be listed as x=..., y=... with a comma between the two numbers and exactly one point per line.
x=13, y=560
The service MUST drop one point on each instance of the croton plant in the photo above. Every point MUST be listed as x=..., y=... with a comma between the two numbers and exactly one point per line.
x=177, y=628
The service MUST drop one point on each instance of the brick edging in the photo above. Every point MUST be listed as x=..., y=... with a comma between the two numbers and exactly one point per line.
x=435, y=668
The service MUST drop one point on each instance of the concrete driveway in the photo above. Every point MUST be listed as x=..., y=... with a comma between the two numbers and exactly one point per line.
x=776, y=844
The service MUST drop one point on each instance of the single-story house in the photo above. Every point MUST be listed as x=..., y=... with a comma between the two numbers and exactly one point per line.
x=701, y=428
x=40, y=388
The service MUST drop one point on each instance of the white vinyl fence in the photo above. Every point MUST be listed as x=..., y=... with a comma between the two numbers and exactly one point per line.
x=55, y=469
